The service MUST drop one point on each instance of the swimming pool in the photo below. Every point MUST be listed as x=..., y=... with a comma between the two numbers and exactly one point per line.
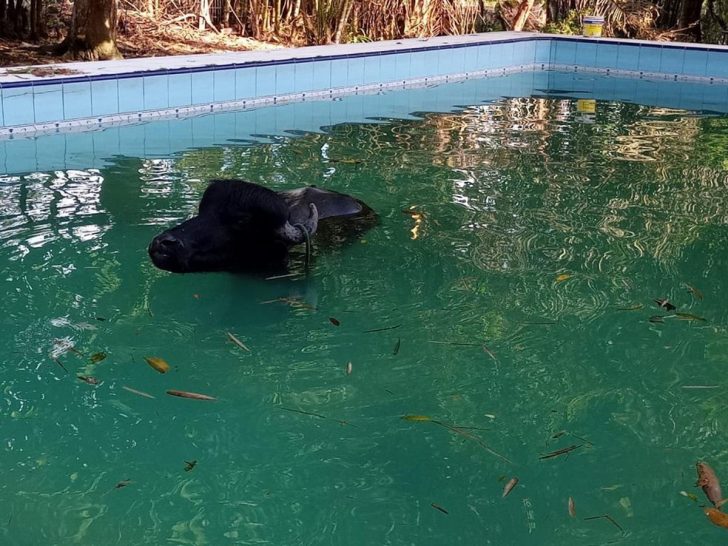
x=504, y=305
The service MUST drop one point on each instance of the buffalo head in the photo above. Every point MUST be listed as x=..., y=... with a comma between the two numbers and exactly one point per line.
x=239, y=226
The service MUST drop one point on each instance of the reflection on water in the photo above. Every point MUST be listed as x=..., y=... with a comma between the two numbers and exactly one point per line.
x=506, y=298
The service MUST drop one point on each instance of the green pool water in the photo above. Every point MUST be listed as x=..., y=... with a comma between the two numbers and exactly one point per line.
x=513, y=309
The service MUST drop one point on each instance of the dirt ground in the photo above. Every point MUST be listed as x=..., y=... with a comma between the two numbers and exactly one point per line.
x=139, y=36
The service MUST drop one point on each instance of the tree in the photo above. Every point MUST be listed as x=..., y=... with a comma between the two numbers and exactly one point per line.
x=92, y=35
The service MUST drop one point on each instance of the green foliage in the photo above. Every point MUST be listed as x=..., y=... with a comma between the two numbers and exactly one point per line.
x=570, y=25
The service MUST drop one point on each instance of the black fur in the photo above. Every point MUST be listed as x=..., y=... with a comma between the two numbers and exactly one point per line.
x=237, y=222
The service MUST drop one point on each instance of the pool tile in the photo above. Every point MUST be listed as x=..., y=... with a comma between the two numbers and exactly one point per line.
x=586, y=54
x=565, y=53
x=501, y=55
x=449, y=61
x=470, y=59
x=265, y=81
x=2, y=119
x=305, y=79
x=104, y=97
x=355, y=71
x=524, y=53
x=203, y=87
x=339, y=73
x=48, y=103
x=76, y=100
x=372, y=70
x=18, y=106
x=717, y=64
x=131, y=95
x=543, y=51
x=421, y=64
x=245, y=83
x=180, y=90
x=628, y=57
x=156, y=93
x=403, y=66
x=22, y=155
x=695, y=62
x=716, y=98
x=131, y=140
x=649, y=59
x=671, y=60
x=607, y=56
x=322, y=74
x=484, y=57
x=223, y=85
x=285, y=79
x=388, y=68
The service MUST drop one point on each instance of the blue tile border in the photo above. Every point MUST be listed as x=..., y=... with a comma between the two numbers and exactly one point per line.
x=262, y=76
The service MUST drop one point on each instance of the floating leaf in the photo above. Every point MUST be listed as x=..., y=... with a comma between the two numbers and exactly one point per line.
x=440, y=508
x=563, y=277
x=708, y=481
x=572, y=507
x=692, y=496
x=689, y=316
x=89, y=379
x=665, y=304
x=697, y=294
x=397, y=345
x=349, y=368
x=192, y=395
x=416, y=418
x=189, y=465
x=237, y=342
x=635, y=307
x=139, y=393
x=656, y=318
x=334, y=321
x=97, y=357
x=509, y=487
x=122, y=483
x=559, y=452
x=157, y=363
x=717, y=517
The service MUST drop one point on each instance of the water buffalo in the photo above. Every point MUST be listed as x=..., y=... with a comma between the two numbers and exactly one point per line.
x=242, y=226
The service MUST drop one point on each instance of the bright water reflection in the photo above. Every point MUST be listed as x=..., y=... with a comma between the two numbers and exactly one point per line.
x=512, y=295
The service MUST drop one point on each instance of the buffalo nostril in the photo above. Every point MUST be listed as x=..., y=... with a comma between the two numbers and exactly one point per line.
x=168, y=242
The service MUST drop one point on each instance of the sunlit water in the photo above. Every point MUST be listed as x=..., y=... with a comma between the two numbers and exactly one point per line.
x=511, y=282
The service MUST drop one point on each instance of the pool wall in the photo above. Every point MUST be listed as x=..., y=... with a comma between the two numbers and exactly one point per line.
x=97, y=94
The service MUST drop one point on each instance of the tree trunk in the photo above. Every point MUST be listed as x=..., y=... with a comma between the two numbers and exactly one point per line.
x=690, y=17
x=524, y=9
x=92, y=35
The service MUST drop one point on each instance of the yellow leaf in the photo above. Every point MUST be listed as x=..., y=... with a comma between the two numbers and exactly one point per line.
x=563, y=277
x=157, y=363
x=416, y=418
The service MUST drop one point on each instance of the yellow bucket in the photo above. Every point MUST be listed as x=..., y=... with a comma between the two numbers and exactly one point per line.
x=586, y=106
x=591, y=26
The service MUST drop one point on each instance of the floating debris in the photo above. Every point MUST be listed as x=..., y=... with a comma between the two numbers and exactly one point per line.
x=189, y=465
x=295, y=303
x=456, y=430
x=334, y=321
x=349, y=368
x=697, y=294
x=97, y=357
x=692, y=496
x=312, y=414
x=347, y=161
x=157, y=363
x=717, y=517
x=138, y=393
x=122, y=483
x=689, y=316
x=559, y=452
x=54, y=359
x=708, y=481
x=101, y=319
x=440, y=508
x=635, y=307
x=509, y=487
x=89, y=379
x=572, y=507
x=701, y=386
x=397, y=345
x=455, y=343
x=563, y=277
x=608, y=518
x=489, y=352
x=656, y=318
x=665, y=304
x=237, y=342
x=192, y=395
x=385, y=328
